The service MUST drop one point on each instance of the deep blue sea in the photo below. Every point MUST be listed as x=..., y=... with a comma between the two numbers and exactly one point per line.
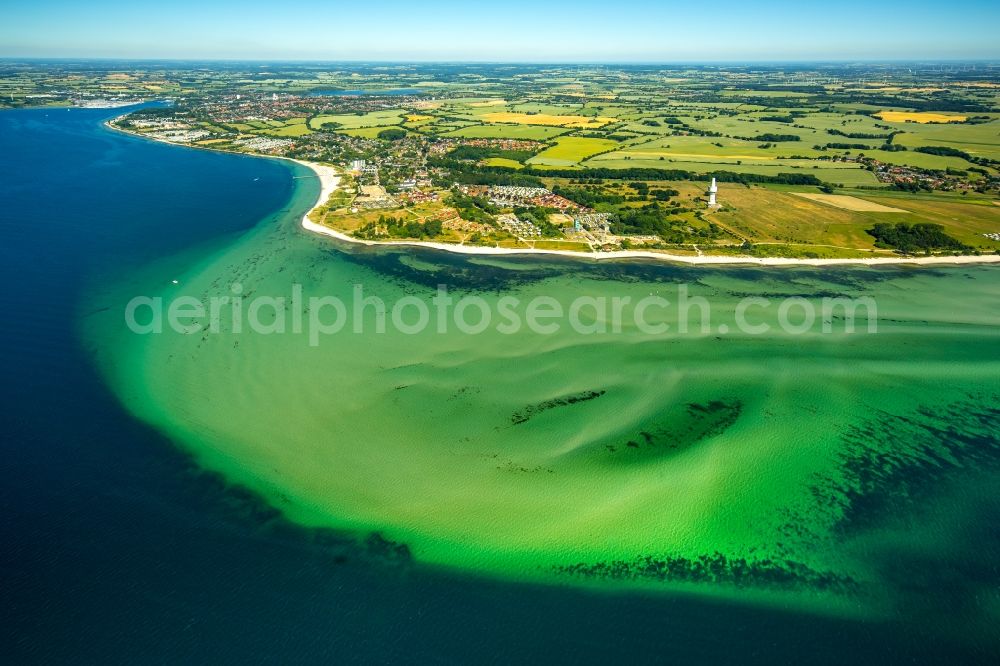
x=114, y=548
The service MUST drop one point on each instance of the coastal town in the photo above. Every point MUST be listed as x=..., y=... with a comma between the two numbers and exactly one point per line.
x=534, y=168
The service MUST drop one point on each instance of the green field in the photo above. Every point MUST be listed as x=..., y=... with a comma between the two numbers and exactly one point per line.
x=570, y=150
x=978, y=140
x=773, y=215
x=849, y=175
x=356, y=121
x=365, y=132
x=533, y=132
x=293, y=127
x=503, y=162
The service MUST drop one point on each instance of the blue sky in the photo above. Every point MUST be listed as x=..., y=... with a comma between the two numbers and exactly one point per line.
x=511, y=30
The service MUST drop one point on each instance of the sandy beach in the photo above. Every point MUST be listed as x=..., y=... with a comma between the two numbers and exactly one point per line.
x=329, y=181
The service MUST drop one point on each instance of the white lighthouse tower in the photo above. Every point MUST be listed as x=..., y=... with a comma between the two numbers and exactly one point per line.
x=712, y=190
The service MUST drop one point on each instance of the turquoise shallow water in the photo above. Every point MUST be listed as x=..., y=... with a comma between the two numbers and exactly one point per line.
x=862, y=467
x=775, y=468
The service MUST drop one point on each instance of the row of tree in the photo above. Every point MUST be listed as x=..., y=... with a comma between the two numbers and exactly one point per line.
x=393, y=227
x=912, y=238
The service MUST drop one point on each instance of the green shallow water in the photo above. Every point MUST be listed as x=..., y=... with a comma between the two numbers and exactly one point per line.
x=836, y=470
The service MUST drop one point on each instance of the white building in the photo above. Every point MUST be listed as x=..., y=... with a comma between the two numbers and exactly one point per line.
x=712, y=190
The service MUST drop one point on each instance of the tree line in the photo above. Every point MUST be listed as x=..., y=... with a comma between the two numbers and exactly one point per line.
x=909, y=238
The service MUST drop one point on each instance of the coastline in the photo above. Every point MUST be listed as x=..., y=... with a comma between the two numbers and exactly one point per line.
x=330, y=180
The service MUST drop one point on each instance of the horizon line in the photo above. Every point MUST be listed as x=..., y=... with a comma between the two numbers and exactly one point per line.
x=392, y=61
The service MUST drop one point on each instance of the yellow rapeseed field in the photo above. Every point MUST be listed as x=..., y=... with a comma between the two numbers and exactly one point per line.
x=918, y=117
x=586, y=122
x=849, y=203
